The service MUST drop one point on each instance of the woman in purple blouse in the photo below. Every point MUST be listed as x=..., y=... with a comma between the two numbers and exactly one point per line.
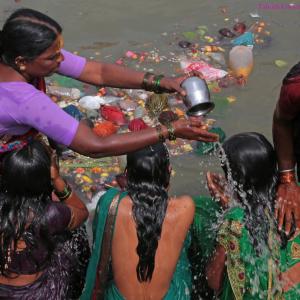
x=31, y=48
x=37, y=260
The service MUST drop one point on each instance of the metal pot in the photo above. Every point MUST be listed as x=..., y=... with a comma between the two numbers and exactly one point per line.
x=197, y=99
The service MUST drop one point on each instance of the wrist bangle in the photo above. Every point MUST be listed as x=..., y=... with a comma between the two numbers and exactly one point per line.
x=287, y=170
x=66, y=193
x=171, y=132
x=156, y=83
x=147, y=83
x=287, y=177
x=161, y=137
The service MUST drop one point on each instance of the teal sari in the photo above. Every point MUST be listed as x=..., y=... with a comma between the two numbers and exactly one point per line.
x=181, y=283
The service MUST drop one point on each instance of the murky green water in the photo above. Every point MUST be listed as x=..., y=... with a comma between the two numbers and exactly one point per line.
x=105, y=29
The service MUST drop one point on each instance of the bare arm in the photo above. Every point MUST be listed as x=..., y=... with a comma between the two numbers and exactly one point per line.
x=88, y=143
x=288, y=194
x=112, y=75
x=283, y=139
x=215, y=269
x=79, y=212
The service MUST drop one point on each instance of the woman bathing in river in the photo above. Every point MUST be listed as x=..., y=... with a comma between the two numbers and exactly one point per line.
x=251, y=260
x=150, y=235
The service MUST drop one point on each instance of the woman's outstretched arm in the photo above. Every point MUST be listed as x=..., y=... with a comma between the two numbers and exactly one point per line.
x=86, y=142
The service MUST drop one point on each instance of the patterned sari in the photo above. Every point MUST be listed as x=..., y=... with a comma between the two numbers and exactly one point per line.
x=248, y=276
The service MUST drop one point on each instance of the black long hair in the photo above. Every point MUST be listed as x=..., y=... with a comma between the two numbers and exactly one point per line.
x=25, y=190
x=293, y=72
x=253, y=170
x=27, y=33
x=148, y=176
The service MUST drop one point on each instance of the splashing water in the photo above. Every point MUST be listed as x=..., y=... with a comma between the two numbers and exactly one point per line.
x=268, y=250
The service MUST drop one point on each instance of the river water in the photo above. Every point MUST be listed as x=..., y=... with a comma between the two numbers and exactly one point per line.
x=106, y=29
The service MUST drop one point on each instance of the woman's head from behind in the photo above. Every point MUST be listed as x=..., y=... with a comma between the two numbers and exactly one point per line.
x=149, y=166
x=26, y=172
x=148, y=176
x=252, y=170
x=25, y=192
x=26, y=43
x=252, y=162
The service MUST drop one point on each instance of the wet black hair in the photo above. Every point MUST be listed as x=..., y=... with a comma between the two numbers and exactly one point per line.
x=148, y=176
x=293, y=72
x=252, y=167
x=25, y=191
x=27, y=33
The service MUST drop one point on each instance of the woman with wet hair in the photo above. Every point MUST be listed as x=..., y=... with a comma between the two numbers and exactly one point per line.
x=245, y=263
x=149, y=237
x=37, y=260
x=31, y=48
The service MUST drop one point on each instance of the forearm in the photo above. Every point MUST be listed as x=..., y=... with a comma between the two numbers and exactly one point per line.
x=283, y=141
x=215, y=269
x=89, y=144
x=112, y=75
x=78, y=208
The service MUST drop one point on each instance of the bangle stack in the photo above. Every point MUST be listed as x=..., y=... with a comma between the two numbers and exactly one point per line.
x=151, y=82
x=287, y=176
x=65, y=194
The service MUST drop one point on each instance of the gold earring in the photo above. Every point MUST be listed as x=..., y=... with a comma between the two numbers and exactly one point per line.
x=22, y=68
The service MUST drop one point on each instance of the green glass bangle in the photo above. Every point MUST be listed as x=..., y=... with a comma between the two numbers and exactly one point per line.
x=157, y=80
x=65, y=193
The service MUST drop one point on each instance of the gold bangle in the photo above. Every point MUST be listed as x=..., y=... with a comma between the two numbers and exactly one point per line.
x=147, y=83
x=171, y=131
x=287, y=177
x=161, y=137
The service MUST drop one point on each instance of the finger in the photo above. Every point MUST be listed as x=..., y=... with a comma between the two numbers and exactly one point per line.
x=197, y=73
x=206, y=136
x=280, y=215
x=276, y=211
x=297, y=219
x=181, y=91
x=297, y=231
x=196, y=120
x=288, y=221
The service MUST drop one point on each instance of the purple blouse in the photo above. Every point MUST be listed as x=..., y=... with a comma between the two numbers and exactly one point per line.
x=24, y=107
x=57, y=217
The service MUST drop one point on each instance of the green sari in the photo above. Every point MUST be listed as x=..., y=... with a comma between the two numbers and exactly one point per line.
x=248, y=276
x=289, y=257
x=181, y=283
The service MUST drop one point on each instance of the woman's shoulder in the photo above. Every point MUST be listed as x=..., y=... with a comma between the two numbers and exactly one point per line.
x=182, y=206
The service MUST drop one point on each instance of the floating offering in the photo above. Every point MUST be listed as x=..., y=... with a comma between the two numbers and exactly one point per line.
x=137, y=125
x=113, y=114
x=184, y=44
x=105, y=128
x=167, y=117
x=226, y=33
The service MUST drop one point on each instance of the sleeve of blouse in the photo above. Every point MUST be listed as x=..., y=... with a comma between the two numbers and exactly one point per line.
x=72, y=65
x=41, y=113
x=57, y=217
x=289, y=100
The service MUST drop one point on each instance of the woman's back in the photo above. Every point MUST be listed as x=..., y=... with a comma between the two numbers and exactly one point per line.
x=178, y=218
